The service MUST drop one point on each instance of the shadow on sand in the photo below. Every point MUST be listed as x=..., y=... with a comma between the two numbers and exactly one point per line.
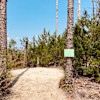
x=17, y=78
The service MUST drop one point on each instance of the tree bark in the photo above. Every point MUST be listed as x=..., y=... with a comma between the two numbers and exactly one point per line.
x=25, y=57
x=93, y=8
x=56, y=18
x=79, y=10
x=69, y=43
x=3, y=38
x=3, y=33
x=37, y=61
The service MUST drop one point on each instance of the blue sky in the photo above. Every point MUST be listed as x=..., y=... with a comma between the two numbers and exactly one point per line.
x=26, y=18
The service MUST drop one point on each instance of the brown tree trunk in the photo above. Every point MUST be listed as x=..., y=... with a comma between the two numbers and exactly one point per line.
x=69, y=45
x=56, y=18
x=99, y=10
x=25, y=57
x=3, y=33
x=37, y=61
x=3, y=38
x=79, y=10
x=93, y=8
x=56, y=31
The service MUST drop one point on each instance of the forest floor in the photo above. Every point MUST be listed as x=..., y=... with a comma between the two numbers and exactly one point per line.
x=43, y=84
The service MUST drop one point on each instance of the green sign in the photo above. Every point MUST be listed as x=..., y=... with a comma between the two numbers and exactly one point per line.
x=68, y=52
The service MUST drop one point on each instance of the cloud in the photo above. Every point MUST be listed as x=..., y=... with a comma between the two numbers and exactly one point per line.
x=17, y=38
x=8, y=38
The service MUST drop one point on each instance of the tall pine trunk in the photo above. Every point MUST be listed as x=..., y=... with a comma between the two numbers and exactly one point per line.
x=69, y=43
x=56, y=18
x=93, y=8
x=56, y=32
x=3, y=39
x=3, y=33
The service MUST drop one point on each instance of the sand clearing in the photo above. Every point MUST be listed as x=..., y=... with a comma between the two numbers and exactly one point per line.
x=37, y=84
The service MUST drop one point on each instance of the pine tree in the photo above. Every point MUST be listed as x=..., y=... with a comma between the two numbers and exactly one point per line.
x=69, y=43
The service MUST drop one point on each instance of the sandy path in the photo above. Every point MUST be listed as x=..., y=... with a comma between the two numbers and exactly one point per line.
x=37, y=84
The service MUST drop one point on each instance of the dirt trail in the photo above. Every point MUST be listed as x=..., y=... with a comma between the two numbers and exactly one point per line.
x=37, y=84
